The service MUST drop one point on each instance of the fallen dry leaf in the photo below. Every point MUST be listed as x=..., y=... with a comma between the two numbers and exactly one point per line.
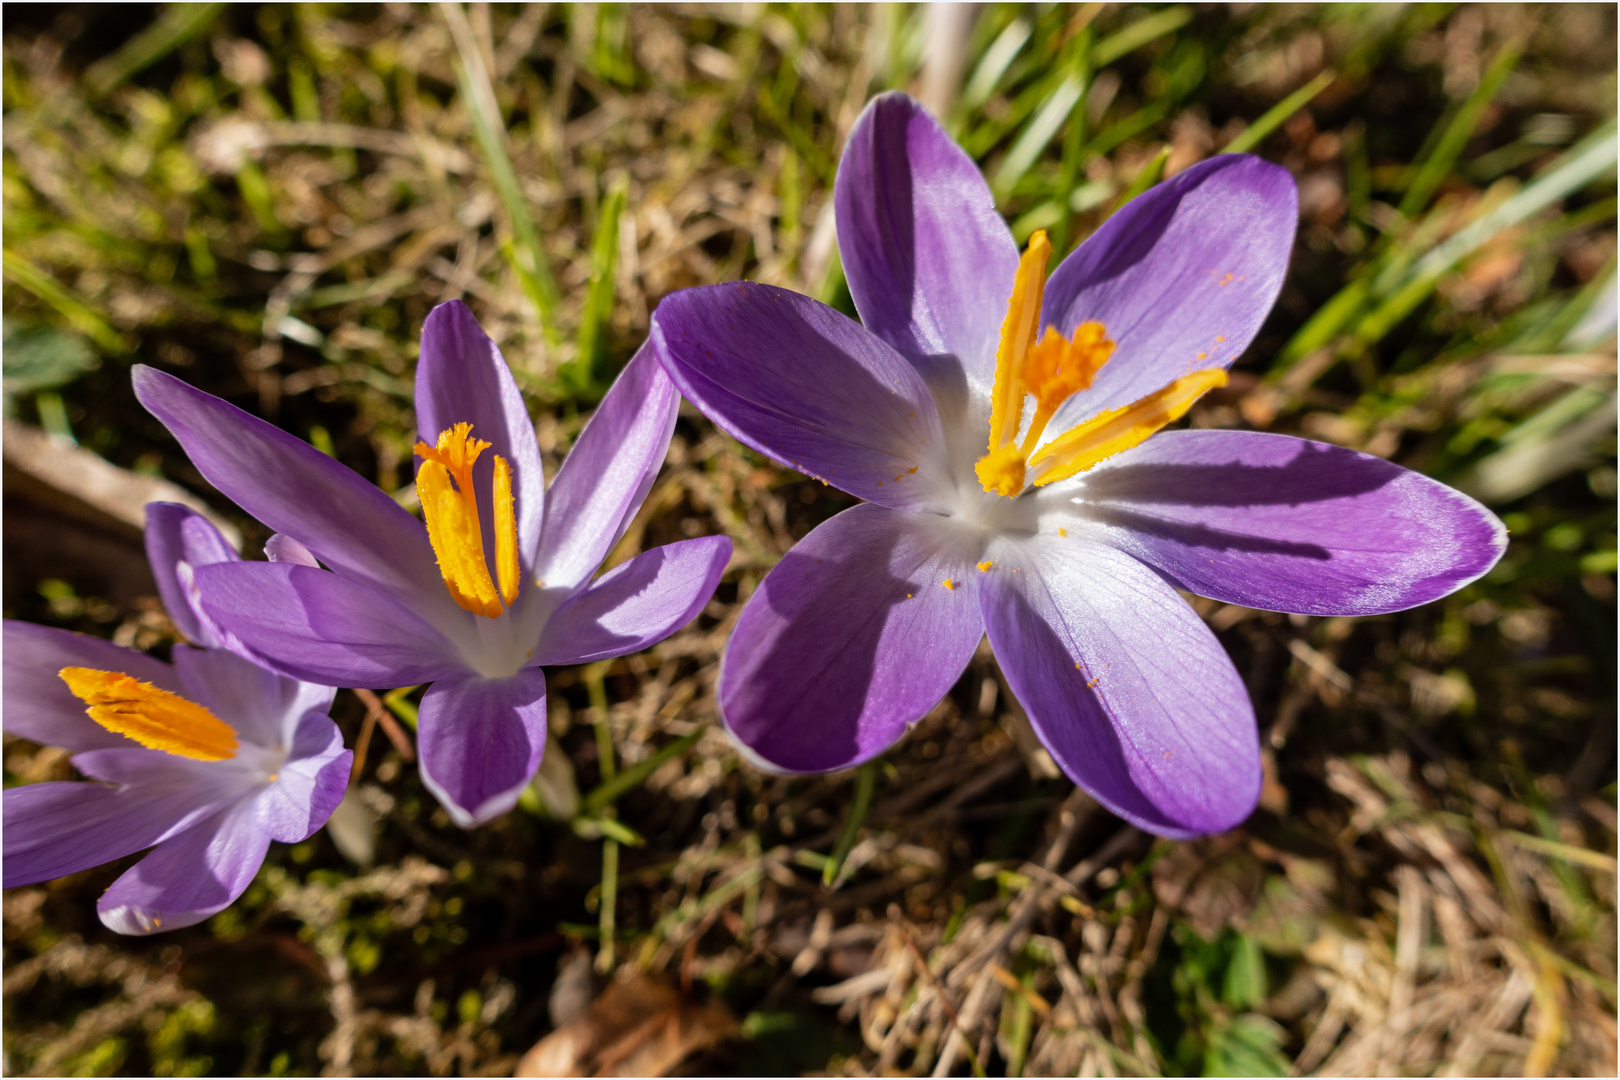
x=637, y=1027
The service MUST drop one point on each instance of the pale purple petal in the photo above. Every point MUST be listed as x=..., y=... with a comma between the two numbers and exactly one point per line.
x=283, y=548
x=930, y=262
x=1181, y=278
x=851, y=637
x=480, y=742
x=607, y=474
x=348, y=523
x=309, y=785
x=806, y=386
x=263, y=707
x=177, y=534
x=188, y=878
x=1125, y=685
x=58, y=828
x=1274, y=522
x=38, y=704
x=462, y=378
x=320, y=627
x=636, y=604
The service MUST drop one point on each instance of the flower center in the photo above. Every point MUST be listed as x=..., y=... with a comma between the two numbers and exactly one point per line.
x=450, y=507
x=1053, y=369
x=154, y=718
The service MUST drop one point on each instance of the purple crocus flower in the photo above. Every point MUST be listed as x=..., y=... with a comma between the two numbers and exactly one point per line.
x=358, y=592
x=1055, y=529
x=205, y=761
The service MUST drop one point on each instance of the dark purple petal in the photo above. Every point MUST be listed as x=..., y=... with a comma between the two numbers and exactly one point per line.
x=38, y=704
x=263, y=707
x=1125, y=685
x=309, y=785
x=851, y=637
x=177, y=534
x=53, y=829
x=480, y=742
x=805, y=385
x=349, y=524
x=283, y=548
x=1181, y=278
x=606, y=476
x=188, y=878
x=317, y=626
x=930, y=262
x=1274, y=522
x=636, y=604
x=462, y=378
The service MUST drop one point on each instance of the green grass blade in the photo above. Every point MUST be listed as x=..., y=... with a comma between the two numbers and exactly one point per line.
x=527, y=256
x=633, y=777
x=1581, y=165
x=1042, y=127
x=1139, y=33
x=865, y=782
x=599, y=294
x=1274, y=117
x=80, y=317
x=1438, y=165
x=178, y=24
x=994, y=64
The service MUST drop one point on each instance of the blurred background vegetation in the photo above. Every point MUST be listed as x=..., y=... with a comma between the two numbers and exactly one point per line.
x=267, y=200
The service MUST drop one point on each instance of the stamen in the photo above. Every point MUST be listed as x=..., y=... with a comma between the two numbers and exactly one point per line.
x=1017, y=337
x=152, y=717
x=506, y=556
x=453, y=525
x=1109, y=433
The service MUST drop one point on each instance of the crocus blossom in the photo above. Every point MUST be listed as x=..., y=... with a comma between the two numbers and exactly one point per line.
x=995, y=421
x=496, y=581
x=205, y=760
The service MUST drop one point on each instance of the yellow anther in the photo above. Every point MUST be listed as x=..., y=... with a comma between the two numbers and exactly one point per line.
x=450, y=507
x=950, y=584
x=152, y=717
x=1017, y=337
x=985, y=566
x=1109, y=433
x=506, y=553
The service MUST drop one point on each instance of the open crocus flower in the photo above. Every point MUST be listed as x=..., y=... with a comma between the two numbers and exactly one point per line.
x=208, y=759
x=996, y=422
x=494, y=585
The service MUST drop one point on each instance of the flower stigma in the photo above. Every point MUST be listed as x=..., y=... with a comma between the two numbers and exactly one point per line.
x=152, y=717
x=450, y=507
x=1053, y=369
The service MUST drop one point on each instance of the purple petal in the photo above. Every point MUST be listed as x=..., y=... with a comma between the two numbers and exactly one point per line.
x=607, y=474
x=283, y=548
x=263, y=707
x=480, y=742
x=1182, y=278
x=1274, y=522
x=309, y=785
x=177, y=534
x=804, y=385
x=636, y=604
x=929, y=260
x=317, y=626
x=53, y=829
x=38, y=704
x=1125, y=685
x=851, y=637
x=188, y=878
x=349, y=524
x=462, y=378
